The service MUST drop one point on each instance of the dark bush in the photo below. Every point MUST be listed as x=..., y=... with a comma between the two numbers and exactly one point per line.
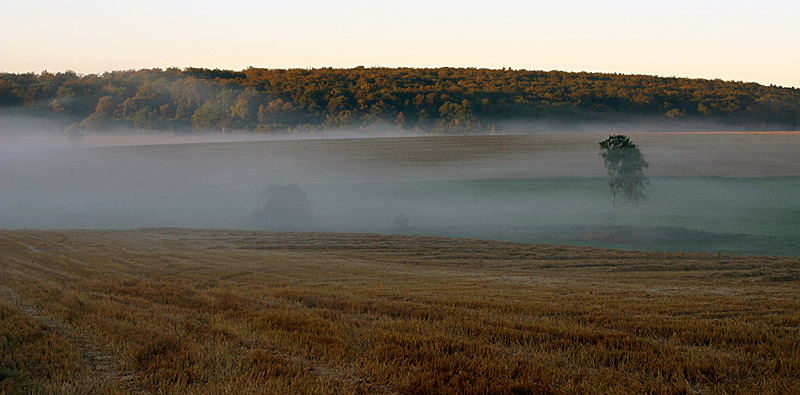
x=286, y=208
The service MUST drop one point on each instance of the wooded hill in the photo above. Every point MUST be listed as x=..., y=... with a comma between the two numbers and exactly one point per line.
x=441, y=100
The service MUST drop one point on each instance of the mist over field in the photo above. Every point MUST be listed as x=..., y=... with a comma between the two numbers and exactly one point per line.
x=380, y=198
x=709, y=191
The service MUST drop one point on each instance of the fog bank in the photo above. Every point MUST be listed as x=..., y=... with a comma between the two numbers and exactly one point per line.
x=482, y=186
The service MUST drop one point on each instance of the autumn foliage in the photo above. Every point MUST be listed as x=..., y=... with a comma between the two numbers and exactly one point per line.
x=443, y=100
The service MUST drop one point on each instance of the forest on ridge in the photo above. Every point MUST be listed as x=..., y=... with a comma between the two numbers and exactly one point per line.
x=436, y=100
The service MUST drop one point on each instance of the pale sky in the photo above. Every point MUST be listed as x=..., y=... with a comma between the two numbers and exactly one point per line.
x=732, y=40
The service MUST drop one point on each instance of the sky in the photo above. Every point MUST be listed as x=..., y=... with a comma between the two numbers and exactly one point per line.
x=730, y=40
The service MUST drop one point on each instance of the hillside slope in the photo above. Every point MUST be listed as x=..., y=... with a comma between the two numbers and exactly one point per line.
x=442, y=100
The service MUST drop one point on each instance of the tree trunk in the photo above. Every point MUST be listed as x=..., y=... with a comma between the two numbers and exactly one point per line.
x=611, y=212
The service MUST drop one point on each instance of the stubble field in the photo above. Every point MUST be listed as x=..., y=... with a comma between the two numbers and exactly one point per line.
x=212, y=311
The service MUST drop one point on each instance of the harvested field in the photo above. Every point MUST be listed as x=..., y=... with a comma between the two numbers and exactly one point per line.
x=206, y=311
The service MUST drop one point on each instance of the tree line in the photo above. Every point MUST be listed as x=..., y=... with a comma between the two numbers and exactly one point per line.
x=445, y=100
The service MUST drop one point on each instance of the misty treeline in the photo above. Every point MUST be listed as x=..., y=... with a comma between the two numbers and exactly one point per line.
x=440, y=100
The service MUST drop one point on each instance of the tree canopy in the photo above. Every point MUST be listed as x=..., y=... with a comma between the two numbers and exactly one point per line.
x=445, y=100
x=287, y=208
x=625, y=166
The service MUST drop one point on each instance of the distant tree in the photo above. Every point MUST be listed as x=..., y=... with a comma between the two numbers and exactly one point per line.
x=401, y=221
x=105, y=108
x=457, y=117
x=625, y=166
x=103, y=116
x=286, y=208
x=211, y=115
x=145, y=118
x=74, y=135
x=276, y=112
x=245, y=108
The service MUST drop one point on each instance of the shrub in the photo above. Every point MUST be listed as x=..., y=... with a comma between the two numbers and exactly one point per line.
x=286, y=208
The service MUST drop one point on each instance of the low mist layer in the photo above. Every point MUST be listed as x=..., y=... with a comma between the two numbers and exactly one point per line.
x=505, y=187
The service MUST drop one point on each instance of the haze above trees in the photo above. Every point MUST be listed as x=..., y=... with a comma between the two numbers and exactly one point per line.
x=442, y=100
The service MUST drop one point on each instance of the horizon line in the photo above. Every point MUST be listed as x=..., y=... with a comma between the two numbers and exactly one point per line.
x=184, y=68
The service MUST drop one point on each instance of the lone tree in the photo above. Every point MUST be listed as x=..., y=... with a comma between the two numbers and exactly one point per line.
x=286, y=208
x=401, y=220
x=625, y=166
